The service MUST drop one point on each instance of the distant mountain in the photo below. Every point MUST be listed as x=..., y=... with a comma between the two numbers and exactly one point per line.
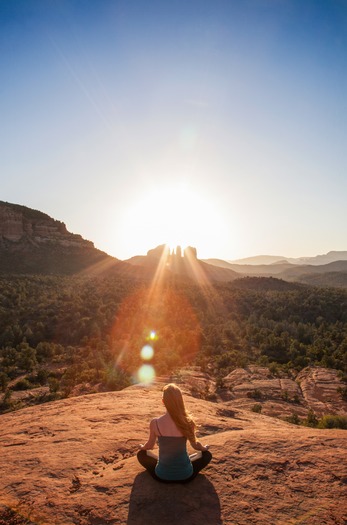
x=259, y=259
x=327, y=258
x=220, y=263
x=331, y=274
x=31, y=242
x=323, y=259
x=331, y=279
x=336, y=266
x=252, y=269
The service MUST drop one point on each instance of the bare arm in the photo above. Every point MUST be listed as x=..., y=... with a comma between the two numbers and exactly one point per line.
x=152, y=437
x=198, y=446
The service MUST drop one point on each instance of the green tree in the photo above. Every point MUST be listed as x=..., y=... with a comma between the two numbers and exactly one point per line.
x=27, y=357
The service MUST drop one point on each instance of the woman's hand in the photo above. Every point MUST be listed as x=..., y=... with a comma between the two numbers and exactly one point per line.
x=199, y=446
x=141, y=447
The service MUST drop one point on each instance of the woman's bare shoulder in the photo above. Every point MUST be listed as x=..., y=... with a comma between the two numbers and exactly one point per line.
x=155, y=420
x=168, y=427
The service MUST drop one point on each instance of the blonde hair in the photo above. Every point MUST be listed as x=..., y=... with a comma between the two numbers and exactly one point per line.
x=174, y=404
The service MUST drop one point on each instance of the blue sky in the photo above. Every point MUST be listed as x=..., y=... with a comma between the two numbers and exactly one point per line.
x=220, y=124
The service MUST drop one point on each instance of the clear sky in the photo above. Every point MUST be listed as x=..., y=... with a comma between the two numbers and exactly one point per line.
x=221, y=123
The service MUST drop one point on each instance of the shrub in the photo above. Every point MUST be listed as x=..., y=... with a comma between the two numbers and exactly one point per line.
x=22, y=384
x=115, y=379
x=4, y=379
x=294, y=419
x=6, y=403
x=274, y=369
x=311, y=420
x=53, y=384
x=330, y=421
x=42, y=376
x=220, y=383
x=211, y=396
x=257, y=408
x=296, y=399
x=255, y=394
x=285, y=395
x=343, y=391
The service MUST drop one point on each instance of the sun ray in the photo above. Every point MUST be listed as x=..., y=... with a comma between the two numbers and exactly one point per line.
x=160, y=271
x=199, y=275
x=100, y=267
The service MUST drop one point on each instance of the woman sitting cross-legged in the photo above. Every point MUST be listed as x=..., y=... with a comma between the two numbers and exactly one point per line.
x=172, y=431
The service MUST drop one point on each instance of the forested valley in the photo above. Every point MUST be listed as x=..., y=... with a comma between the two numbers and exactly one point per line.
x=64, y=331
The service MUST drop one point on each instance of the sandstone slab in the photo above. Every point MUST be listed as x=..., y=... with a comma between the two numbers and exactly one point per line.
x=74, y=462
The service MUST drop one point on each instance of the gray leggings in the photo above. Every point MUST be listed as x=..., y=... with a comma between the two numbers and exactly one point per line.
x=149, y=462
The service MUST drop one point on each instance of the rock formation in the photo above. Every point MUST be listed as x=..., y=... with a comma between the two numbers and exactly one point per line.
x=185, y=265
x=33, y=242
x=320, y=390
x=19, y=223
x=191, y=253
x=73, y=462
x=313, y=389
x=158, y=252
x=176, y=254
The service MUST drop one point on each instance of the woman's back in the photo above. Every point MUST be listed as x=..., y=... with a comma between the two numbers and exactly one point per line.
x=167, y=427
x=174, y=462
x=172, y=431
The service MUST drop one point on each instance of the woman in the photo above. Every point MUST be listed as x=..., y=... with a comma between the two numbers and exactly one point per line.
x=172, y=430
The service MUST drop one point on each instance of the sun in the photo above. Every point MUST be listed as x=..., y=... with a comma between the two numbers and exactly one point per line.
x=176, y=215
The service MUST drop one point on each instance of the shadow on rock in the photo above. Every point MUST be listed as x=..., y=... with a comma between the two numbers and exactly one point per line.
x=157, y=503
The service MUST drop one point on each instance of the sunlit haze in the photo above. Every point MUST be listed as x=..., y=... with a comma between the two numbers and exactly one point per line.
x=175, y=215
x=216, y=124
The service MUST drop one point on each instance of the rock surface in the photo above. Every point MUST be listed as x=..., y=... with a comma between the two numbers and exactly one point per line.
x=74, y=462
x=319, y=387
x=313, y=389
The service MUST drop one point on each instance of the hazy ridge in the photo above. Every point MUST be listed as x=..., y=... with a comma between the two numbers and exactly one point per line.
x=31, y=242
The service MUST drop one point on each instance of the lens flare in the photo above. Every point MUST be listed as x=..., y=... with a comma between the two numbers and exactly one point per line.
x=153, y=335
x=147, y=353
x=158, y=317
x=146, y=374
